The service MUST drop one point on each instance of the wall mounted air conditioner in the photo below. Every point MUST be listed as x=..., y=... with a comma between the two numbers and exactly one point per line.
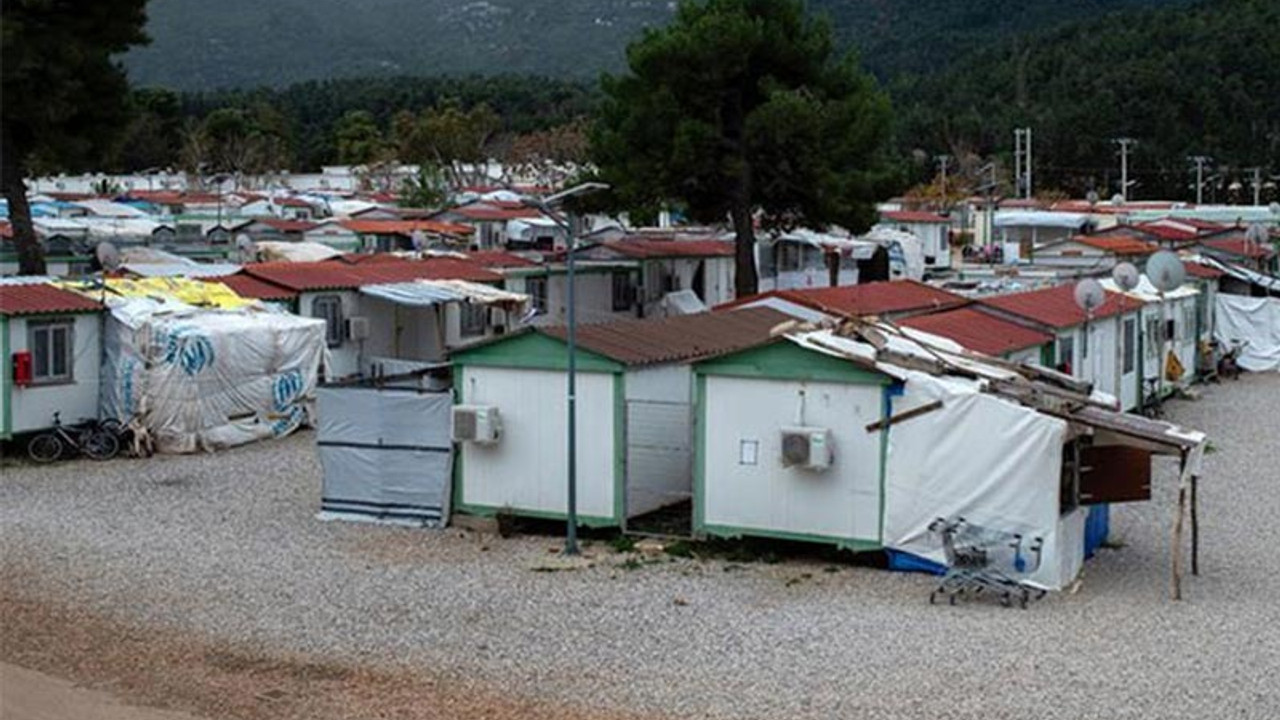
x=808, y=448
x=357, y=328
x=479, y=424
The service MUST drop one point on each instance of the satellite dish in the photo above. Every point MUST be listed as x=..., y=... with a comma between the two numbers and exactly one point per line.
x=1126, y=276
x=419, y=239
x=1166, y=271
x=246, y=251
x=1090, y=295
x=1117, y=199
x=1092, y=197
x=1256, y=234
x=1275, y=208
x=108, y=256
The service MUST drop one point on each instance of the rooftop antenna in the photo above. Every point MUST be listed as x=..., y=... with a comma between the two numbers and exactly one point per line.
x=1090, y=296
x=1166, y=271
x=246, y=251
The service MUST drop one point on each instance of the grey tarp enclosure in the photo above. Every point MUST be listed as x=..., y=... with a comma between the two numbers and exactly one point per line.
x=387, y=453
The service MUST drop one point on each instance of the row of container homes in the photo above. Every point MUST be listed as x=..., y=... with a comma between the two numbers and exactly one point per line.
x=753, y=424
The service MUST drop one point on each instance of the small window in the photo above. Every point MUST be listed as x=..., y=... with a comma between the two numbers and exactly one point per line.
x=473, y=318
x=536, y=289
x=1130, y=341
x=51, y=352
x=1066, y=353
x=623, y=291
x=329, y=308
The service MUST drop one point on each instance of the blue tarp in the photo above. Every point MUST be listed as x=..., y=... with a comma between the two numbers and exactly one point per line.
x=1097, y=526
x=906, y=562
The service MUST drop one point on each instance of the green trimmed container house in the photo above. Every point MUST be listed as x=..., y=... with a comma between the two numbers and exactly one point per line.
x=634, y=415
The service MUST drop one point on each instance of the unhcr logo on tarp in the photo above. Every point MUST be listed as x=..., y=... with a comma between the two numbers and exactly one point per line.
x=286, y=389
x=189, y=349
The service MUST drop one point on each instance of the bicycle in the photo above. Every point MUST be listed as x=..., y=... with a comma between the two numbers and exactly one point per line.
x=88, y=438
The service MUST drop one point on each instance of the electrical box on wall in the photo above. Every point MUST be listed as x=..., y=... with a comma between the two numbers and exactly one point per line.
x=22, y=368
x=808, y=448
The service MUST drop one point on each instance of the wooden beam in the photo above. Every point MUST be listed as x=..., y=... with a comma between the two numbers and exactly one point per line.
x=906, y=415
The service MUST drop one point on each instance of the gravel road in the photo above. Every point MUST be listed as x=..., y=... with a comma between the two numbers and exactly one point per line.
x=129, y=574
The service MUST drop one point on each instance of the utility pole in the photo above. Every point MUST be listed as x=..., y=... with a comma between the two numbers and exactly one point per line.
x=1124, y=143
x=1022, y=161
x=943, y=161
x=1257, y=186
x=1199, y=160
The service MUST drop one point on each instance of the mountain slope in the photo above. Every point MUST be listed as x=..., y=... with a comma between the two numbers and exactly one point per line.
x=236, y=43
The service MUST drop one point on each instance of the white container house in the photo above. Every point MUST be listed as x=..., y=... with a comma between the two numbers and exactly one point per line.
x=634, y=415
x=51, y=347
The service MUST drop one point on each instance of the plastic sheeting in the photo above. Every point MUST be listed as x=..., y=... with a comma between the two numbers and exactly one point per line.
x=387, y=454
x=990, y=461
x=1252, y=319
x=203, y=379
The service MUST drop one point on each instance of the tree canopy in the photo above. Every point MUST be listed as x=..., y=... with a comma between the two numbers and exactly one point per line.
x=741, y=106
x=64, y=96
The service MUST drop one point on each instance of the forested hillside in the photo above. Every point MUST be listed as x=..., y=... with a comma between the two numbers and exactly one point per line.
x=199, y=44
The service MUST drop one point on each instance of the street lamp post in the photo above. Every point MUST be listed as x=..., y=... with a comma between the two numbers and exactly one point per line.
x=544, y=205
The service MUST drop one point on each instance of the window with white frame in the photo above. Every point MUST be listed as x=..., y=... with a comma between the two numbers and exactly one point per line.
x=536, y=289
x=472, y=319
x=329, y=309
x=52, y=358
x=1066, y=352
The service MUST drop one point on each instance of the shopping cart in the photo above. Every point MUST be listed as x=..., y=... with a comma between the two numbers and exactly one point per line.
x=984, y=560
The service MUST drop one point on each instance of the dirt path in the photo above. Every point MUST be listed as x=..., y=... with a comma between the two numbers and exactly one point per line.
x=30, y=695
x=136, y=673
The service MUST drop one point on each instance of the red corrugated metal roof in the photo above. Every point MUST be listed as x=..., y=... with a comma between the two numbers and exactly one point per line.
x=1237, y=245
x=499, y=259
x=914, y=216
x=248, y=286
x=647, y=248
x=1056, y=306
x=877, y=298
x=41, y=298
x=1117, y=244
x=978, y=330
x=327, y=275
x=676, y=339
x=1195, y=269
x=286, y=226
x=405, y=227
x=494, y=211
x=292, y=202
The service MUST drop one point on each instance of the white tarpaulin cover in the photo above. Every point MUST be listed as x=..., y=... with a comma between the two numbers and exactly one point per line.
x=1255, y=320
x=202, y=379
x=387, y=454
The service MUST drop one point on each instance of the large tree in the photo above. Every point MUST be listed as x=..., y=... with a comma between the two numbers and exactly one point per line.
x=64, y=96
x=739, y=107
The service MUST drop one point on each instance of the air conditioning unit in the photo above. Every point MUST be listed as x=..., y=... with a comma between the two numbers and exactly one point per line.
x=357, y=328
x=808, y=448
x=476, y=423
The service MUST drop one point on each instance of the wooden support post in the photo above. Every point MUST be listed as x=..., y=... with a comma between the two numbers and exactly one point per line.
x=1195, y=530
x=1177, y=545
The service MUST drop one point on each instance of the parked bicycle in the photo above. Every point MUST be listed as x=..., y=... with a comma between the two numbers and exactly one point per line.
x=87, y=438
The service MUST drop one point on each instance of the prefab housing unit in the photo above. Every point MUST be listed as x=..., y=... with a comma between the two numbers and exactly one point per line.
x=51, y=350
x=634, y=415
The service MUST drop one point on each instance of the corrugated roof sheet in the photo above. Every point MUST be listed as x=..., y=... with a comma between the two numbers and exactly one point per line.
x=330, y=275
x=1238, y=245
x=405, y=227
x=978, y=331
x=251, y=287
x=39, y=299
x=1117, y=244
x=423, y=293
x=876, y=298
x=648, y=248
x=1056, y=306
x=914, y=216
x=1197, y=270
x=675, y=339
x=499, y=259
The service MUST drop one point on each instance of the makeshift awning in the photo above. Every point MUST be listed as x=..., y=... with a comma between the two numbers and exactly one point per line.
x=197, y=293
x=192, y=270
x=425, y=293
x=1267, y=282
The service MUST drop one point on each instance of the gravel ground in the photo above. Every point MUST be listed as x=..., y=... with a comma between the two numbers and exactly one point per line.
x=223, y=551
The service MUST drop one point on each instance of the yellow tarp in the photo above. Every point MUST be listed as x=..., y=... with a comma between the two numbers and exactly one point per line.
x=185, y=290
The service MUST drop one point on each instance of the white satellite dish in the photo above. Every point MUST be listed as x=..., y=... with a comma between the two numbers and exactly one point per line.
x=246, y=251
x=1275, y=208
x=1092, y=197
x=108, y=256
x=1117, y=199
x=1256, y=234
x=1090, y=295
x=419, y=239
x=1166, y=271
x=1126, y=276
